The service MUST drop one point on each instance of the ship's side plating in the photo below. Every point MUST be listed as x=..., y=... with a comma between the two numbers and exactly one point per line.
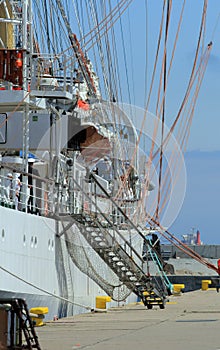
x=37, y=266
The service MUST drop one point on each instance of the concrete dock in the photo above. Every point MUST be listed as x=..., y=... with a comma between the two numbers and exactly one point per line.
x=190, y=321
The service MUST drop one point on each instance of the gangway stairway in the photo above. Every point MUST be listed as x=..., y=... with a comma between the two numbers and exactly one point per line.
x=117, y=252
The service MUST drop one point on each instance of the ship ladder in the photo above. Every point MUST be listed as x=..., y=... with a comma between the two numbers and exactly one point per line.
x=118, y=253
x=19, y=316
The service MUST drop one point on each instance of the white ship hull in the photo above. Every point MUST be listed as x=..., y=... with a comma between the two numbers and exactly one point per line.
x=32, y=268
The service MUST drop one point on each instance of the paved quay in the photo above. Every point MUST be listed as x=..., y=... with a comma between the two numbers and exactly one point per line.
x=189, y=322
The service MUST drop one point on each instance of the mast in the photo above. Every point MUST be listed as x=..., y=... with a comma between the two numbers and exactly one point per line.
x=79, y=53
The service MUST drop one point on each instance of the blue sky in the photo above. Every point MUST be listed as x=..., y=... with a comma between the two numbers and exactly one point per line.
x=206, y=124
x=200, y=209
x=201, y=205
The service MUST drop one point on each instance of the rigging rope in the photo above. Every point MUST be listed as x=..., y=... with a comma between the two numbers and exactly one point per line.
x=175, y=241
x=117, y=77
x=184, y=129
x=191, y=79
x=44, y=290
x=100, y=48
x=169, y=3
x=190, y=85
x=149, y=163
x=146, y=108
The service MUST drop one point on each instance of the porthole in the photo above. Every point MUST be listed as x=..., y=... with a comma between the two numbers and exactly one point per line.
x=52, y=244
x=32, y=242
x=49, y=244
x=3, y=235
x=35, y=241
x=24, y=240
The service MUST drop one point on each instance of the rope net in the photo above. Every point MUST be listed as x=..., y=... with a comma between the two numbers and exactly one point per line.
x=90, y=263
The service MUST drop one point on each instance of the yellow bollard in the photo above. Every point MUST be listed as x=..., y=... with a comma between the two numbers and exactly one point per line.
x=177, y=288
x=205, y=284
x=39, y=312
x=101, y=302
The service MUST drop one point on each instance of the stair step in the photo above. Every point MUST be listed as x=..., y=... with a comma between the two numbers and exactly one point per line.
x=111, y=253
x=119, y=263
x=97, y=238
x=124, y=268
x=129, y=273
x=103, y=244
x=93, y=234
x=133, y=278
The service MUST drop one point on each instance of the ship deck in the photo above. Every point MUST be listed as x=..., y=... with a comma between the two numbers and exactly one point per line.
x=179, y=326
x=11, y=101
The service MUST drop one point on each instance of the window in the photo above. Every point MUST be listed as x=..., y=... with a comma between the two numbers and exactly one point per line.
x=3, y=129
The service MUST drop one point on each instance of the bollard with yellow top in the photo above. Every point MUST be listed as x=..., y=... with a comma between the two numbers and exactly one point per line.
x=101, y=301
x=205, y=284
x=177, y=288
x=37, y=315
